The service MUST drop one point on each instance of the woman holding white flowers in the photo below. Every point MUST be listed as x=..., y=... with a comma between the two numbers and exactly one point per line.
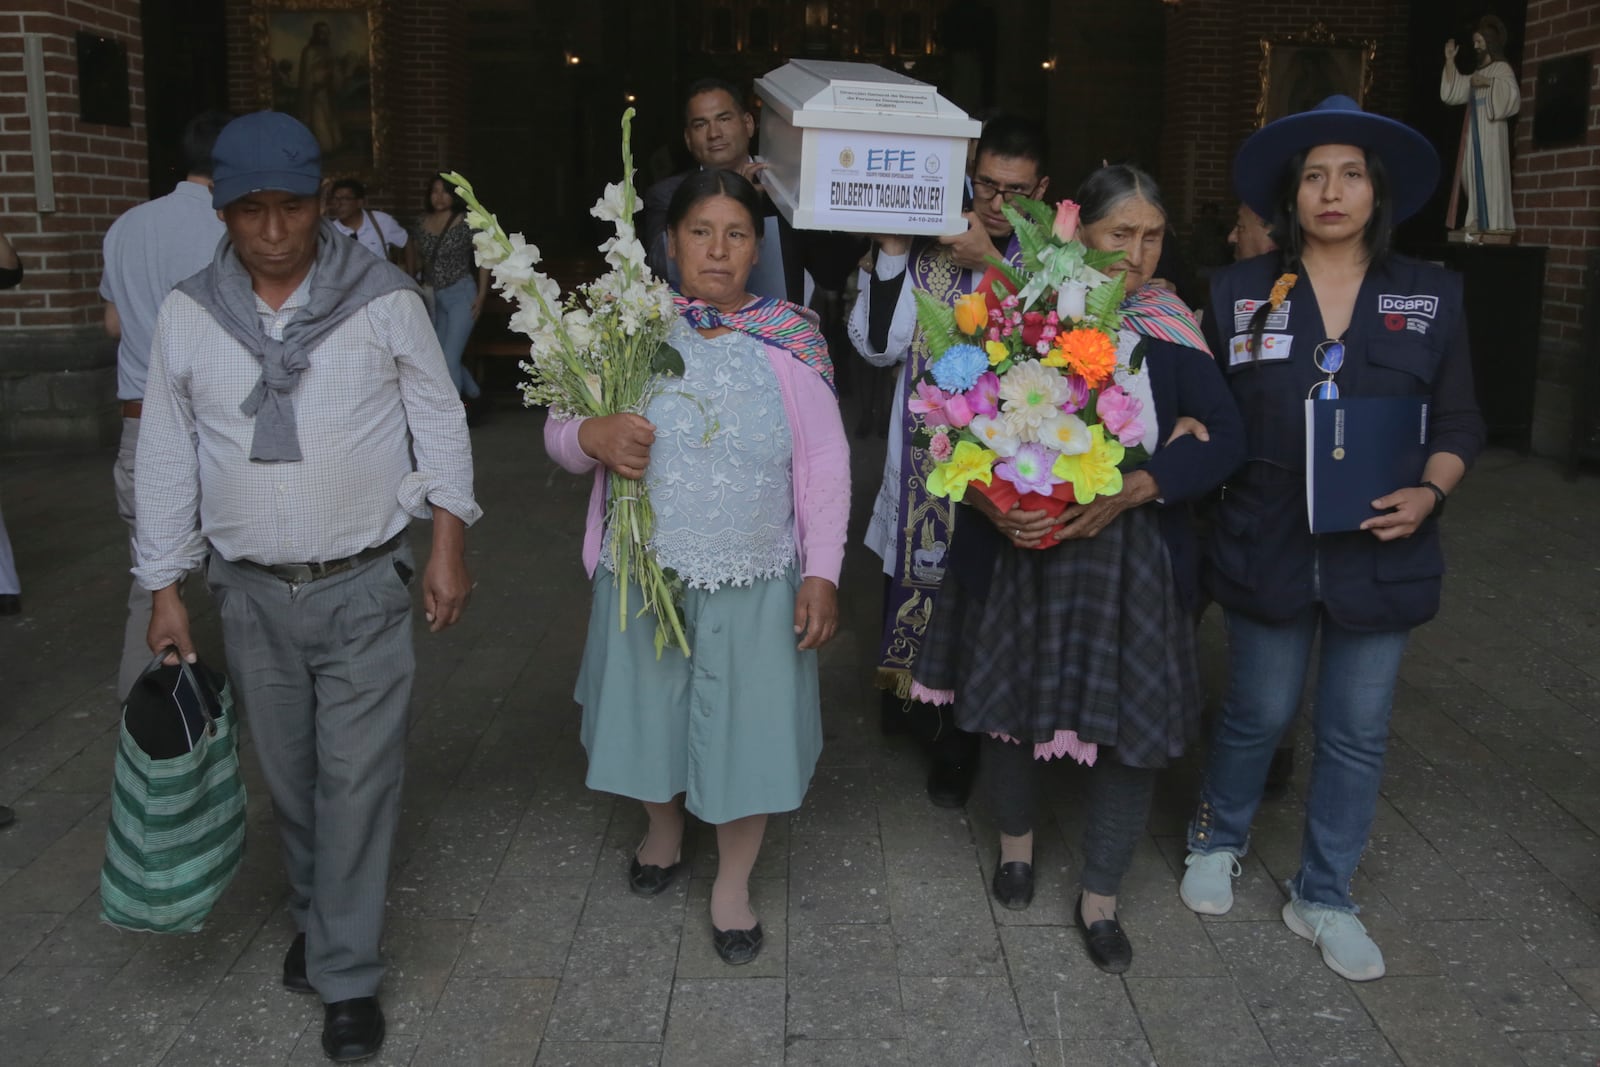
x=1086, y=649
x=747, y=468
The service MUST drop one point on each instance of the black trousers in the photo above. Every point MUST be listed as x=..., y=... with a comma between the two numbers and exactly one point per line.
x=1119, y=808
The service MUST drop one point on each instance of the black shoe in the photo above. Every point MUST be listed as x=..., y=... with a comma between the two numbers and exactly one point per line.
x=1108, y=946
x=352, y=1029
x=648, y=880
x=10, y=604
x=294, y=966
x=949, y=784
x=737, y=947
x=1013, y=884
x=1279, y=771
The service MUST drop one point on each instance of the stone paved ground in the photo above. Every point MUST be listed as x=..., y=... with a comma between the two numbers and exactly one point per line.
x=513, y=940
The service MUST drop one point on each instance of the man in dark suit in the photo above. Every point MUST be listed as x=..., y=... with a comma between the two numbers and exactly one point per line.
x=717, y=128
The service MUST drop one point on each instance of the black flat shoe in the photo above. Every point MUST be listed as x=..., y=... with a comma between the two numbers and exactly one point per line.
x=949, y=784
x=1108, y=946
x=1013, y=884
x=648, y=880
x=352, y=1029
x=737, y=947
x=294, y=966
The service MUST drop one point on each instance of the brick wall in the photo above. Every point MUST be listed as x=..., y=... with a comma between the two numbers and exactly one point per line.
x=1213, y=55
x=1556, y=194
x=57, y=369
x=423, y=49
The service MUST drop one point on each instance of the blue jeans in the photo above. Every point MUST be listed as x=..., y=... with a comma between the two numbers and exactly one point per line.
x=1267, y=665
x=452, y=322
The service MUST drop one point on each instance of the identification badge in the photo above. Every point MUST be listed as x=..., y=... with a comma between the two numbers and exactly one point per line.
x=1274, y=348
x=1244, y=311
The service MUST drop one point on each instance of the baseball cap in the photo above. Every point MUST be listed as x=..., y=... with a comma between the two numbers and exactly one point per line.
x=264, y=150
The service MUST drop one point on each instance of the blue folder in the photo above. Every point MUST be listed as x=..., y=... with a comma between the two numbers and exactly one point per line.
x=1357, y=450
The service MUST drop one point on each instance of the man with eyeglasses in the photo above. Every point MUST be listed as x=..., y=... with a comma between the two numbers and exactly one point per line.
x=376, y=231
x=910, y=530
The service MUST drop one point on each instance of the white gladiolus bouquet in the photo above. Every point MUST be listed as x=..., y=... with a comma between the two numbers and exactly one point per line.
x=600, y=350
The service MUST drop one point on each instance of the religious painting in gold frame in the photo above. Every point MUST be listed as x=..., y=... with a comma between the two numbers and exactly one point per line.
x=322, y=61
x=1300, y=70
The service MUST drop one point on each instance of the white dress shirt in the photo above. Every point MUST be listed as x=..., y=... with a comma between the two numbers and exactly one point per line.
x=376, y=393
x=377, y=231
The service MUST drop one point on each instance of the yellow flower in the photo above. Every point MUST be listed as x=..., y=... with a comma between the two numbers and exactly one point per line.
x=996, y=352
x=1093, y=473
x=972, y=313
x=968, y=463
x=1054, y=358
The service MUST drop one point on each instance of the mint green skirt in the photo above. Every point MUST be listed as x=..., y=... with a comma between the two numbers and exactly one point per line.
x=737, y=728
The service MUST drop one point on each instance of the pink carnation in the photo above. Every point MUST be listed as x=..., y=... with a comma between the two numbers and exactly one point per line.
x=1119, y=413
x=940, y=448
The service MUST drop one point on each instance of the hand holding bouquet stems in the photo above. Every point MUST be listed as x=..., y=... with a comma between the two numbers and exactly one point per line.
x=598, y=351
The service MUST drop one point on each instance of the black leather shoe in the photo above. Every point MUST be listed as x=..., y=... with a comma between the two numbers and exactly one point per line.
x=1013, y=884
x=294, y=966
x=737, y=947
x=1108, y=946
x=352, y=1029
x=950, y=783
x=648, y=880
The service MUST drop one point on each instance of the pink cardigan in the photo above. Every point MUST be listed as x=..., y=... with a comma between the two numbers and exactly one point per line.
x=821, y=469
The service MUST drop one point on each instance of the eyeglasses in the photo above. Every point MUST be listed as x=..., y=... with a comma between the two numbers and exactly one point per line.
x=984, y=192
x=1329, y=358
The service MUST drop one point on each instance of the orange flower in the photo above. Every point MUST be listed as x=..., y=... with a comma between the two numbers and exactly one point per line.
x=1090, y=353
x=972, y=313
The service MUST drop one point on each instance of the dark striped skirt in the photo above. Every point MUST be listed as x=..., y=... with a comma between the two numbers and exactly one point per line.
x=1087, y=636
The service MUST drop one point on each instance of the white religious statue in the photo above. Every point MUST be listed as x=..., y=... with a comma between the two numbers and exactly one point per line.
x=1490, y=92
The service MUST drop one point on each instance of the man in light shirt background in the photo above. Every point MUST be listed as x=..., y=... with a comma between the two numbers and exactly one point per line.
x=377, y=231
x=151, y=248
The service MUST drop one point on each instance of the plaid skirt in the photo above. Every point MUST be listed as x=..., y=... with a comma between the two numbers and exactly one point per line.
x=1087, y=636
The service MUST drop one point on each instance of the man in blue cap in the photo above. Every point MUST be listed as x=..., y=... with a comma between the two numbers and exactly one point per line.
x=298, y=414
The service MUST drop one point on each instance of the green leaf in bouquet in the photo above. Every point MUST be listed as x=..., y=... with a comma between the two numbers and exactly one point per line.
x=1011, y=274
x=1101, y=302
x=938, y=322
x=668, y=361
x=920, y=437
x=1042, y=213
x=1133, y=456
x=1095, y=258
x=1136, y=360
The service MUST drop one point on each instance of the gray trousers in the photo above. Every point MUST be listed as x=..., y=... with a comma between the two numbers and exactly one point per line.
x=1119, y=808
x=323, y=672
x=9, y=583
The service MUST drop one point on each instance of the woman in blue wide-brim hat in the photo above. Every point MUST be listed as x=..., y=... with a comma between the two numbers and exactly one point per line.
x=1332, y=313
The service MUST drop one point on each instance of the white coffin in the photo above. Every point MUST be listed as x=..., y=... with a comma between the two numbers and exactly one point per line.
x=861, y=149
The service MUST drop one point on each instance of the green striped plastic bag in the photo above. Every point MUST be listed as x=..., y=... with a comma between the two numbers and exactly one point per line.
x=176, y=836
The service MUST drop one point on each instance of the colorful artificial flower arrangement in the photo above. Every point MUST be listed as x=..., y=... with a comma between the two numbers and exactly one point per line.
x=599, y=350
x=1021, y=397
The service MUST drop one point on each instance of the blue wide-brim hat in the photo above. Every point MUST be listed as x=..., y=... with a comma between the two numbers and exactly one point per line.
x=265, y=150
x=1408, y=157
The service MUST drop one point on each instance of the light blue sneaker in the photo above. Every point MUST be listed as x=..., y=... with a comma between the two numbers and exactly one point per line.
x=1207, y=886
x=1346, y=948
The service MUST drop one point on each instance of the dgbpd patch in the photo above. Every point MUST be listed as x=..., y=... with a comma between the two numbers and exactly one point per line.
x=1413, y=313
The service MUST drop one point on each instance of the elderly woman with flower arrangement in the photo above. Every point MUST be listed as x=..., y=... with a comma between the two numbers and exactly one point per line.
x=1065, y=623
